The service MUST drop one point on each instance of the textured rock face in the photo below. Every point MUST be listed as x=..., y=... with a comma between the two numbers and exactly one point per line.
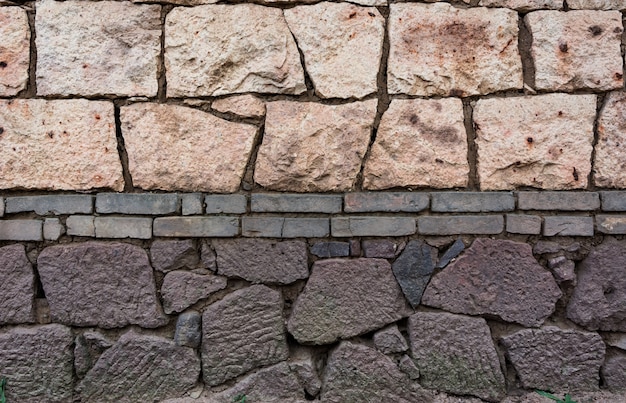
x=389, y=340
x=188, y=329
x=614, y=371
x=241, y=332
x=345, y=298
x=14, y=51
x=437, y=49
x=185, y=139
x=37, y=362
x=599, y=299
x=543, y=141
x=342, y=45
x=17, y=287
x=576, y=50
x=305, y=146
x=499, y=278
x=609, y=165
x=89, y=346
x=455, y=353
x=262, y=261
x=182, y=289
x=419, y=143
x=243, y=105
x=141, y=368
x=224, y=49
x=553, y=359
x=63, y=144
x=596, y=4
x=413, y=269
x=75, y=276
x=524, y=5
x=171, y=255
x=80, y=47
x=303, y=365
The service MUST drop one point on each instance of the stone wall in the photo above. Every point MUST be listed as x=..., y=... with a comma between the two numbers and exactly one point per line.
x=287, y=201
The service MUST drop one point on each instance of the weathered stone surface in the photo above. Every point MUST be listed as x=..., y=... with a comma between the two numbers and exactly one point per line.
x=284, y=227
x=568, y=226
x=478, y=45
x=173, y=254
x=372, y=226
x=451, y=253
x=407, y=365
x=496, y=277
x=74, y=276
x=331, y=249
x=609, y=163
x=356, y=373
x=576, y=49
x=123, y=227
x=305, y=145
x=613, y=371
x=413, y=269
x=613, y=201
x=88, y=347
x=188, y=329
x=599, y=300
x=15, y=51
x=224, y=49
x=419, y=143
x=232, y=203
x=107, y=47
x=382, y=248
x=37, y=363
x=455, y=354
x=464, y=224
x=262, y=261
x=472, y=202
x=245, y=105
x=554, y=359
x=182, y=289
x=295, y=203
x=81, y=225
x=563, y=269
x=523, y=224
x=596, y=4
x=17, y=287
x=192, y=203
x=63, y=144
x=542, y=141
x=52, y=229
x=137, y=203
x=385, y=201
x=196, y=227
x=342, y=44
x=564, y=201
x=611, y=224
x=302, y=364
x=21, y=230
x=51, y=204
x=389, y=340
x=141, y=368
x=241, y=332
x=185, y=140
x=345, y=298
x=524, y=5
x=581, y=397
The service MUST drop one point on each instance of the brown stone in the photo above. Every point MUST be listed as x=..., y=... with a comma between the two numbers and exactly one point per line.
x=245, y=105
x=172, y=255
x=17, y=287
x=181, y=289
x=15, y=50
x=609, y=165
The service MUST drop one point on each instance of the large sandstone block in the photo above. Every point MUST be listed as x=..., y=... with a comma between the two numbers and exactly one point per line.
x=100, y=284
x=310, y=147
x=610, y=161
x=596, y=4
x=62, y=144
x=14, y=51
x=224, y=49
x=197, y=151
x=17, y=288
x=524, y=5
x=342, y=46
x=103, y=48
x=543, y=141
x=419, y=143
x=576, y=49
x=438, y=49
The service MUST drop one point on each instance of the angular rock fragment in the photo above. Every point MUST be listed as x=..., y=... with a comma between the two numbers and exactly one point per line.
x=301, y=363
x=15, y=50
x=389, y=340
x=609, y=165
x=451, y=253
x=17, y=288
x=407, y=365
x=382, y=248
x=413, y=268
x=596, y=4
x=171, y=255
x=88, y=347
x=181, y=289
x=331, y=249
x=208, y=257
x=188, y=329
x=243, y=105
x=613, y=371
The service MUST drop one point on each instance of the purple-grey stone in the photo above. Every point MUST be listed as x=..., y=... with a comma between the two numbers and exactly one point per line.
x=453, y=251
x=407, y=365
x=413, y=269
x=208, y=257
x=182, y=288
x=171, y=255
x=17, y=288
x=331, y=249
x=613, y=371
x=381, y=248
x=563, y=269
x=88, y=347
x=188, y=329
x=389, y=340
x=301, y=363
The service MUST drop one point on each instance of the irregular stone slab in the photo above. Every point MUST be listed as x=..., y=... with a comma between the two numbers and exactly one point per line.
x=596, y=4
x=224, y=49
x=451, y=253
x=15, y=52
x=554, y=359
x=181, y=289
x=344, y=298
x=243, y=105
x=173, y=254
x=496, y=277
x=599, y=299
x=188, y=329
x=613, y=371
x=389, y=340
x=524, y=5
x=609, y=159
x=356, y=373
x=407, y=366
x=302, y=364
x=141, y=368
x=305, y=145
x=478, y=45
x=413, y=268
x=262, y=261
x=105, y=48
x=342, y=46
x=100, y=284
x=243, y=331
x=185, y=139
x=89, y=346
x=419, y=143
x=616, y=340
x=37, y=363
x=17, y=287
x=207, y=257
x=62, y=144
x=455, y=354
x=521, y=141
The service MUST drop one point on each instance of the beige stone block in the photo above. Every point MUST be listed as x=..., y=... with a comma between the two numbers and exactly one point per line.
x=361, y=2
x=524, y=5
x=596, y=4
x=610, y=158
x=14, y=50
x=243, y=105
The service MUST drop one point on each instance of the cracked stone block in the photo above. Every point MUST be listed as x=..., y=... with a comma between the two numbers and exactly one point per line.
x=17, y=288
x=172, y=255
x=188, y=329
x=181, y=289
x=88, y=347
x=15, y=50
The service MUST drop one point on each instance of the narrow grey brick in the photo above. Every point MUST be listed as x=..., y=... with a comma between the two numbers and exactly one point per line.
x=53, y=204
x=331, y=249
x=523, y=224
x=613, y=201
x=229, y=204
x=564, y=201
x=611, y=224
x=457, y=225
x=385, y=201
x=271, y=227
x=52, y=229
x=372, y=226
x=81, y=225
x=223, y=226
x=472, y=202
x=123, y=227
x=567, y=226
x=21, y=230
x=192, y=203
x=1, y=207
x=141, y=203
x=279, y=227
x=295, y=203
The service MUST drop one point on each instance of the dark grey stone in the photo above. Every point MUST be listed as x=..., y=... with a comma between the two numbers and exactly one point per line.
x=88, y=347
x=472, y=202
x=331, y=249
x=611, y=224
x=613, y=200
x=524, y=224
x=123, y=227
x=188, y=329
x=230, y=204
x=563, y=201
x=456, y=225
x=52, y=204
x=453, y=251
x=17, y=288
x=81, y=225
x=21, y=230
x=382, y=248
x=385, y=201
x=568, y=226
x=191, y=203
x=355, y=248
x=295, y=203
x=137, y=203
x=413, y=269
x=171, y=255
x=372, y=226
x=196, y=227
x=280, y=227
x=546, y=247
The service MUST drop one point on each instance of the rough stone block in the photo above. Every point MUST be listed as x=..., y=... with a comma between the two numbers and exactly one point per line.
x=231, y=204
x=181, y=289
x=456, y=225
x=567, y=226
x=188, y=329
x=609, y=167
x=295, y=203
x=407, y=366
x=88, y=347
x=270, y=227
x=171, y=255
x=363, y=202
x=15, y=58
x=413, y=268
x=245, y=105
x=81, y=225
x=451, y=253
x=382, y=248
x=372, y=226
x=144, y=203
x=123, y=227
x=192, y=203
x=196, y=226
x=53, y=204
x=279, y=227
x=389, y=340
x=524, y=5
x=21, y=230
x=563, y=201
x=52, y=229
x=302, y=363
x=1, y=207
x=613, y=201
x=596, y=4
x=563, y=269
x=523, y=224
x=17, y=287
x=611, y=224
x=613, y=371
x=472, y=202
x=331, y=249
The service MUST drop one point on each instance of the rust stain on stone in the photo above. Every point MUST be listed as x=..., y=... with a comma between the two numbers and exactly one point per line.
x=444, y=134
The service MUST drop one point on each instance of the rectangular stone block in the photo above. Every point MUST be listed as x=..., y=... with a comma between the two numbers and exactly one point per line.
x=196, y=226
x=457, y=225
x=285, y=227
x=567, y=226
x=363, y=202
x=81, y=225
x=56, y=204
x=295, y=203
x=52, y=229
x=15, y=34
x=372, y=226
x=144, y=203
x=523, y=224
x=563, y=201
x=613, y=201
x=611, y=224
x=229, y=204
x=472, y=202
x=123, y=227
x=21, y=230
x=191, y=203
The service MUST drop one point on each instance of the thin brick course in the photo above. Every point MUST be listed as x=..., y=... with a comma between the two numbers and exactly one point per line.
x=563, y=201
x=53, y=204
x=372, y=226
x=81, y=225
x=611, y=224
x=295, y=203
x=455, y=225
x=523, y=224
x=280, y=227
x=148, y=203
x=568, y=226
x=472, y=202
x=613, y=201
x=191, y=203
x=364, y=202
x=196, y=226
x=230, y=204
x=123, y=227
x=21, y=230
